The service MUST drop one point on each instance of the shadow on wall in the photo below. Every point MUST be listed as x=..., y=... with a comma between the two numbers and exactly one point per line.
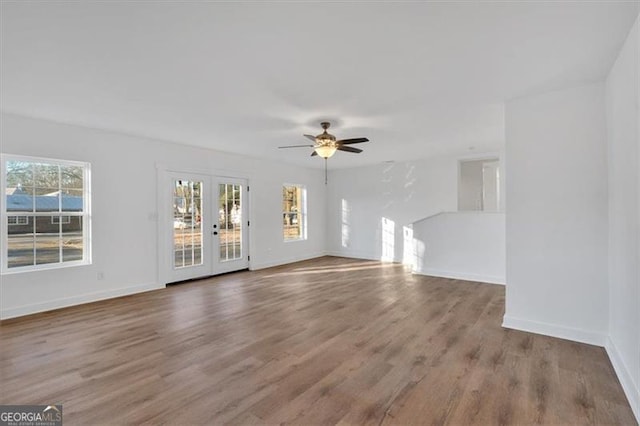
x=466, y=245
x=392, y=245
x=372, y=218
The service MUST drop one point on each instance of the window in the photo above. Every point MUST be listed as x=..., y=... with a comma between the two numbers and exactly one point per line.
x=294, y=212
x=65, y=220
x=45, y=213
x=18, y=220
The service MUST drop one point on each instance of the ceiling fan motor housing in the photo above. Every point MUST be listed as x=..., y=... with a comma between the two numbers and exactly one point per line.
x=325, y=138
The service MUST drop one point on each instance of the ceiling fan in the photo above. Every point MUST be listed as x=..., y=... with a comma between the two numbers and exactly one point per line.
x=325, y=145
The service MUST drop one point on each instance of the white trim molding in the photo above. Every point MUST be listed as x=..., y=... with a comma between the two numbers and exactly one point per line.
x=357, y=255
x=254, y=266
x=77, y=300
x=490, y=279
x=554, y=330
x=629, y=387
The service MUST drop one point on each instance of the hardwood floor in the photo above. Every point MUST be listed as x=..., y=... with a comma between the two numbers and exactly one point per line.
x=326, y=341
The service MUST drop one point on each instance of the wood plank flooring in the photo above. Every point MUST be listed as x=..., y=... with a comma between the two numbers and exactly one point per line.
x=327, y=341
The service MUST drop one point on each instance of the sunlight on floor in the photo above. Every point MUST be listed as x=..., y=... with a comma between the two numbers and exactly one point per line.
x=349, y=267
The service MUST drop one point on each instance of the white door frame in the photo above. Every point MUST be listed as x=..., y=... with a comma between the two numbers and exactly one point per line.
x=164, y=217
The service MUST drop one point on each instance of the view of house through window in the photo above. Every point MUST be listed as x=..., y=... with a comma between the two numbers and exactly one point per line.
x=294, y=212
x=46, y=214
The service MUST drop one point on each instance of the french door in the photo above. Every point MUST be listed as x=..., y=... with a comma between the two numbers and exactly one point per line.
x=207, y=227
x=231, y=230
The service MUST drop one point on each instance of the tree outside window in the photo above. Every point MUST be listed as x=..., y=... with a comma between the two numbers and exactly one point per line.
x=294, y=212
x=46, y=213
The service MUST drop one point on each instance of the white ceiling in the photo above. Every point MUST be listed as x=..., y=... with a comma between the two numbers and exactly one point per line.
x=418, y=79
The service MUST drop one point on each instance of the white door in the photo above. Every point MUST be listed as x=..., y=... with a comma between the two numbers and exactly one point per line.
x=230, y=229
x=206, y=227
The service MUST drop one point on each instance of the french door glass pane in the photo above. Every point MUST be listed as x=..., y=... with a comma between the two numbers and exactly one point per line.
x=230, y=218
x=187, y=223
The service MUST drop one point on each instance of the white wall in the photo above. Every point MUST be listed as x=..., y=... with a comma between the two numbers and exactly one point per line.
x=125, y=211
x=369, y=207
x=359, y=199
x=623, y=125
x=556, y=199
x=461, y=245
x=490, y=190
x=470, y=185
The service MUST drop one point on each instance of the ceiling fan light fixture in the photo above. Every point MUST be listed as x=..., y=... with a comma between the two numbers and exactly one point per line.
x=325, y=144
x=326, y=151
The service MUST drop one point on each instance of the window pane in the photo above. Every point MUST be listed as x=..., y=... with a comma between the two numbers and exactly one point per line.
x=47, y=200
x=72, y=241
x=187, y=223
x=19, y=200
x=230, y=221
x=47, y=249
x=46, y=176
x=19, y=174
x=47, y=240
x=19, y=190
x=72, y=177
x=20, y=243
x=286, y=203
x=72, y=200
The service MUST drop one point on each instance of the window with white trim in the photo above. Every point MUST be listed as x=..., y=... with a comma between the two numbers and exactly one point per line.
x=294, y=212
x=18, y=220
x=46, y=214
x=65, y=220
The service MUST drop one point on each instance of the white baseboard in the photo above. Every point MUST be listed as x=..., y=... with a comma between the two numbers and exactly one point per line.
x=254, y=266
x=461, y=276
x=354, y=255
x=76, y=300
x=554, y=330
x=631, y=389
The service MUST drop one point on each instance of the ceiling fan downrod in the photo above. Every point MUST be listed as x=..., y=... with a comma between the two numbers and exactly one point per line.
x=325, y=171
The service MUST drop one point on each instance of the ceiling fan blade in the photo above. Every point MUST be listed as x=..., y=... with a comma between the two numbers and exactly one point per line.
x=351, y=141
x=314, y=153
x=349, y=149
x=310, y=137
x=297, y=146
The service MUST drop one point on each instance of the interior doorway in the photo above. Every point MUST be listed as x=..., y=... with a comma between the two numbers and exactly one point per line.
x=479, y=185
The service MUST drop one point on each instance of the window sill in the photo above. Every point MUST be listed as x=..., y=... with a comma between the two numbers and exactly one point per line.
x=45, y=267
